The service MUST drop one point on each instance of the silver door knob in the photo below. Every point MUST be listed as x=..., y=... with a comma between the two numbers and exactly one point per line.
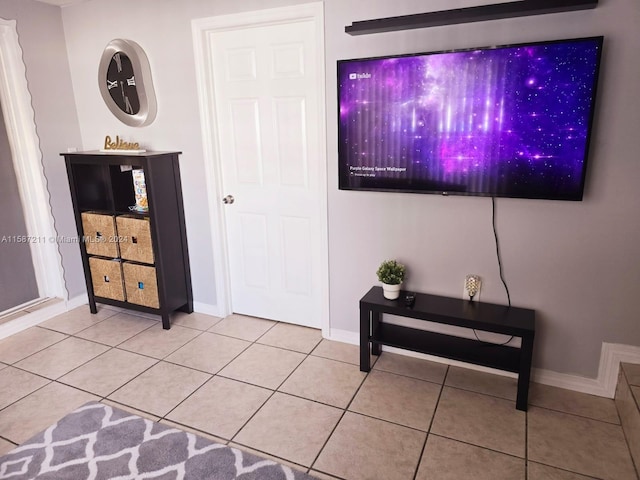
x=228, y=199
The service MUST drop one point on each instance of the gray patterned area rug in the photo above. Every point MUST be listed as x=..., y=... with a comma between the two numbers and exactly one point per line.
x=99, y=442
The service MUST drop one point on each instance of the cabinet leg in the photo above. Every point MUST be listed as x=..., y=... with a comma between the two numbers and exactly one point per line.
x=187, y=307
x=92, y=306
x=166, y=321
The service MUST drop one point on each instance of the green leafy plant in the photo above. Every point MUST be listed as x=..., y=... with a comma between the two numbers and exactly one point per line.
x=391, y=272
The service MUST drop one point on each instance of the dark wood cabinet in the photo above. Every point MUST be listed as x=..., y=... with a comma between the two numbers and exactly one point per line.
x=132, y=258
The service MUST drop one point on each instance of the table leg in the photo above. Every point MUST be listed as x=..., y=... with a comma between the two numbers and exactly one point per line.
x=524, y=375
x=365, y=363
x=375, y=323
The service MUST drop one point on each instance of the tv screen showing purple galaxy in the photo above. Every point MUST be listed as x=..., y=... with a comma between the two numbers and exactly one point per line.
x=503, y=121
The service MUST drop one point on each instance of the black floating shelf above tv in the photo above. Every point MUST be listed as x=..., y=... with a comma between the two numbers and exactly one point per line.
x=480, y=13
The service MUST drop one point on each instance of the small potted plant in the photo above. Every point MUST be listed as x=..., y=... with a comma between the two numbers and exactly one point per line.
x=391, y=274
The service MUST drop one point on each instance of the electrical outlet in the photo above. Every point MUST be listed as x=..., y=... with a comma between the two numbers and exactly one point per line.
x=472, y=281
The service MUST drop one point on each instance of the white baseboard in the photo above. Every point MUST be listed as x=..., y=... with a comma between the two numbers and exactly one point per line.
x=208, y=309
x=343, y=336
x=353, y=338
x=198, y=307
x=33, y=318
x=78, y=301
x=611, y=355
x=577, y=383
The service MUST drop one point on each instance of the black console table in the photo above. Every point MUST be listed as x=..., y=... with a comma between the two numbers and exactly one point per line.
x=488, y=317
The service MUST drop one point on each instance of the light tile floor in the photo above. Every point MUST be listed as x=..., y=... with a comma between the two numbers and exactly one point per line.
x=283, y=392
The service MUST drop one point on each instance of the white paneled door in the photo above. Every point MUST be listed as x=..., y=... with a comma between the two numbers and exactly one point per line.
x=269, y=117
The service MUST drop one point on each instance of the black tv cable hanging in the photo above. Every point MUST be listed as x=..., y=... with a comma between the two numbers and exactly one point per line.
x=498, y=256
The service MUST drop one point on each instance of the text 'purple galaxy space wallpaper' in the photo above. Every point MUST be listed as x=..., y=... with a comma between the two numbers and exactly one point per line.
x=508, y=121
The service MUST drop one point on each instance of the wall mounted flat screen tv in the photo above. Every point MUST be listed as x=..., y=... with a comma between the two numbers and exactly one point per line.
x=508, y=121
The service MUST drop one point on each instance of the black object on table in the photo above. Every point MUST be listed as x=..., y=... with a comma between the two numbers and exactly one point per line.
x=489, y=317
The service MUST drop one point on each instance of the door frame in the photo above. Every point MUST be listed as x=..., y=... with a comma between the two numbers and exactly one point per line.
x=202, y=30
x=19, y=120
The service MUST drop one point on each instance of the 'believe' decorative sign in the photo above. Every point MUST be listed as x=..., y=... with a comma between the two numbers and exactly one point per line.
x=119, y=145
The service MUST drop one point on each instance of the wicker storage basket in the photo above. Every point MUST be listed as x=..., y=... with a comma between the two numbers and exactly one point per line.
x=106, y=277
x=135, y=238
x=141, y=284
x=100, y=234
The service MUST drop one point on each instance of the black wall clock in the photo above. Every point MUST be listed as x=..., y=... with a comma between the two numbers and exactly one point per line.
x=124, y=78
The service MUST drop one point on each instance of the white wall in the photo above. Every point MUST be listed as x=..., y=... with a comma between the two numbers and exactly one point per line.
x=575, y=263
x=163, y=29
